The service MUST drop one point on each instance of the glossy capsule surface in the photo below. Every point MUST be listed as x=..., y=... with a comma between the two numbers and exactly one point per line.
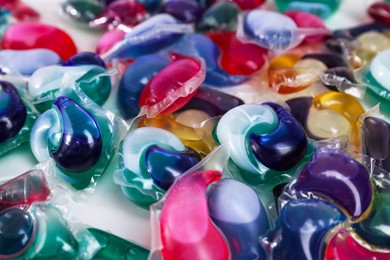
x=27, y=188
x=375, y=141
x=235, y=209
x=338, y=178
x=39, y=35
x=270, y=30
x=151, y=159
x=81, y=143
x=121, y=12
x=302, y=228
x=322, y=8
x=134, y=80
x=172, y=87
x=17, y=230
x=186, y=228
x=216, y=76
x=13, y=112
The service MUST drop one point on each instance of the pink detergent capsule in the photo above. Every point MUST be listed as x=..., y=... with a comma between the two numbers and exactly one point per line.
x=171, y=88
x=108, y=40
x=121, y=12
x=345, y=245
x=186, y=229
x=24, y=189
x=238, y=58
x=19, y=10
x=247, y=4
x=308, y=20
x=34, y=35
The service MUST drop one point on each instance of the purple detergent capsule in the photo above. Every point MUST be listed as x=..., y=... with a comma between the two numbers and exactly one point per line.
x=188, y=11
x=338, y=178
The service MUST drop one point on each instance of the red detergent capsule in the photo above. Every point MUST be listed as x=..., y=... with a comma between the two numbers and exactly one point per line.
x=187, y=231
x=33, y=35
x=248, y=4
x=19, y=10
x=380, y=12
x=108, y=40
x=344, y=246
x=308, y=20
x=122, y=12
x=24, y=189
x=171, y=88
x=238, y=58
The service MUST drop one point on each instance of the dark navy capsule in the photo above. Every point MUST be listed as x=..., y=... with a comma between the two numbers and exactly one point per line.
x=16, y=232
x=85, y=58
x=376, y=141
x=212, y=102
x=81, y=142
x=284, y=147
x=164, y=166
x=13, y=113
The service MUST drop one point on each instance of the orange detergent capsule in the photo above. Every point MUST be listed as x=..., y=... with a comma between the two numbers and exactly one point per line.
x=346, y=105
x=191, y=137
x=288, y=74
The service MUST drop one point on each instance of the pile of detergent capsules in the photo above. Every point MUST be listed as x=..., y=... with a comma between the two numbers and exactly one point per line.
x=248, y=133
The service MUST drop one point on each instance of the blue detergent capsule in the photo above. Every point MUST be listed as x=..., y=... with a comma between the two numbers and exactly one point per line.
x=301, y=229
x=235, y=208
x=27, y=61
x=270, y=30
x=149, y=37
x=17, y=230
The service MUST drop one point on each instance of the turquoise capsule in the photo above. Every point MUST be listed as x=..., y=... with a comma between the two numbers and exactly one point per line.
x=79, y=135
x=45, y=83
x=321, y=8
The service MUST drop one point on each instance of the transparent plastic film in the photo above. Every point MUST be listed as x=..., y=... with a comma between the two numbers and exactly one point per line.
x=54, y=134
